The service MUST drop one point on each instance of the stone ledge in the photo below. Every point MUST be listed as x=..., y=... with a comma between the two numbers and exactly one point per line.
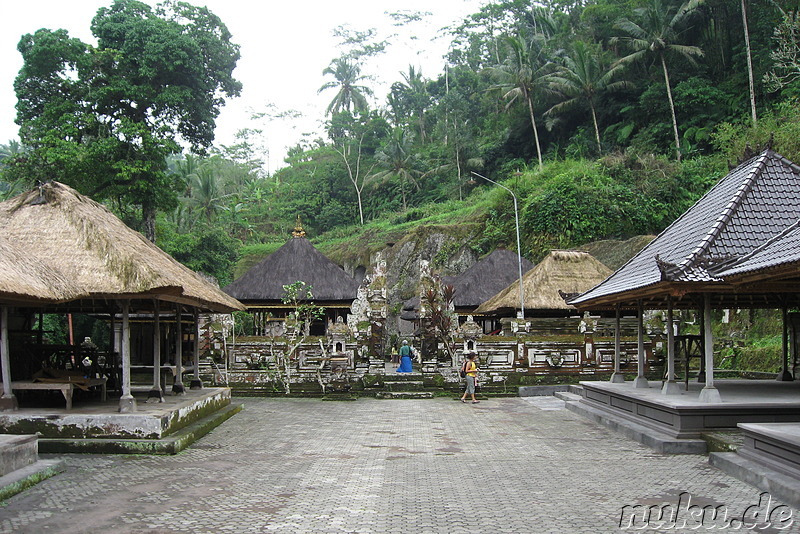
x=644, y=435
x=30, y=475
x=172, y=444
x=756, y=474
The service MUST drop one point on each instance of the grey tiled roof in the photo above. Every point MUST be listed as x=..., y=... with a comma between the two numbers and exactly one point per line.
x=781, y=250
x=752, y=204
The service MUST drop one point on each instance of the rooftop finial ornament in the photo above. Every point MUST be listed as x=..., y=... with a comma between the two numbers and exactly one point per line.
x=298, y=229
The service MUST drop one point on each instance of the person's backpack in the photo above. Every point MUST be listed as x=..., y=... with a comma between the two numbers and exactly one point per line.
x=463, y=372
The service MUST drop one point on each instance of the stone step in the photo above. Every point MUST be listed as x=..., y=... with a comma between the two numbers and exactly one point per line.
x=404, y=395
x=401, y=377
x=566, y=396
x=17, y=451
x=403, y=385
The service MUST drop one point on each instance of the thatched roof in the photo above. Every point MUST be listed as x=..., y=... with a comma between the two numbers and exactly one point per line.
x=567, y=271
x=295, y=261
x=99, y=253
x=26, y=280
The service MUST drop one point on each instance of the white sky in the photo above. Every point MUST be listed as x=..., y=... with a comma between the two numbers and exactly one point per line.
x=285, y=45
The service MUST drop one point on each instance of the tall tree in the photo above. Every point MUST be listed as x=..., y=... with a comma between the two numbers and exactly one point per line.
x=350, y=96
x=581, y=77
x=104, y=118
x=522, y=74
x=660, y=32
x=749, y=53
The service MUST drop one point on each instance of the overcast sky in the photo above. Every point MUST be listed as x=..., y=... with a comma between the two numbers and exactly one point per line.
x=285, y=45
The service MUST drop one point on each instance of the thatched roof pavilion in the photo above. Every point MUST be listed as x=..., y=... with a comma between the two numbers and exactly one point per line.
x=114, y=267
x=99, y=253
x=297, y=260
x=26, y=280
x=568, y=271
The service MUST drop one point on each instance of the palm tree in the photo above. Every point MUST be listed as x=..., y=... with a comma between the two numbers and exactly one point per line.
x=399, y=162
x=659, y=33
x=207, y=195
x=523, y=73
x=346, y=75
x=578, y=81
x=416, y=97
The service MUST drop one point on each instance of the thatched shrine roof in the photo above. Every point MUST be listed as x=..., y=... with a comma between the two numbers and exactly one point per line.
x=100, y=254
x=567, y=271
x=297, y=260
x=26, y=280
x=754, y=203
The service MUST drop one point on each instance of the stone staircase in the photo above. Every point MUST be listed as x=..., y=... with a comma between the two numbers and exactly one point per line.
x=405, y=386
x=20, y=466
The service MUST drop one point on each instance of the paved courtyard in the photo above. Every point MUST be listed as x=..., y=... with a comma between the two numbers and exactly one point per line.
x=521, y=465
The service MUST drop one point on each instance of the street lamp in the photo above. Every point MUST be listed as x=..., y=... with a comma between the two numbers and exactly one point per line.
x=519, y=247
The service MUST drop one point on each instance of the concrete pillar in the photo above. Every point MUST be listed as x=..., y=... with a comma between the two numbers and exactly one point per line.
x=177, y=387
x=196, y=382
x=617, y=376
x=641, y=381
x=785, y=375
x=157, y=392
x=8, y=402
x=709, y=393
x=127, y=403
x=670, y=387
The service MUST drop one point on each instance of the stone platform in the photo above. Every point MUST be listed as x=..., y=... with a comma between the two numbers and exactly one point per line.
x=95, y=426
x=769, y=459
x=681, y=423
x=20, y=466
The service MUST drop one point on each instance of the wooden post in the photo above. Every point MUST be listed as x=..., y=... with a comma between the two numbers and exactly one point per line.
x=709, y=393
x=157, y=392
x=617, y=376
x=127, y=403
x=670, y=387
x=641, y=380
x=785, y=375
x=8, y=402
x=177, y=387
x=196, y=382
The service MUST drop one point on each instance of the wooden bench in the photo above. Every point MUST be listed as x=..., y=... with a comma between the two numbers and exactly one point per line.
x=66, y=385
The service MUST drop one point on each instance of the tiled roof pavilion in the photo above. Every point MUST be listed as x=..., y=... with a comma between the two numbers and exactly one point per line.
x=743, y=213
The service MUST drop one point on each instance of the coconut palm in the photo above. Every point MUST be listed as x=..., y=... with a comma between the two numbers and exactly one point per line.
x=582, y=76
x=659, y=33
x=415, y=96
x=398, y=161
x=347, y=74
x=523, y=73
x=207, y=194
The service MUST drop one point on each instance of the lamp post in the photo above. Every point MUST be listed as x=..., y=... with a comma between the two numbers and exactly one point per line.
x=519, y=246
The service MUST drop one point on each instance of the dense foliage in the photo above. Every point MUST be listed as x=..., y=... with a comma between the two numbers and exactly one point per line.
x=606, y=118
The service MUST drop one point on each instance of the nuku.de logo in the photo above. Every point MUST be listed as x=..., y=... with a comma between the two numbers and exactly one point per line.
x=684, y=515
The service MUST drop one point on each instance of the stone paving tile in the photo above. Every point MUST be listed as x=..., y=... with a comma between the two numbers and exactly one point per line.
x=517, y=465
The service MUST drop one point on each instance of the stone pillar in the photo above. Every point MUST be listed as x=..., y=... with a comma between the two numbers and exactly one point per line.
x=785, y=375
x=670, y=387
x=156, y=393
x=709, y=393
x=196, y=382
x=127, y=403
x=177, y=387
x=8, y=402
x=641, y=359
x=617, y=376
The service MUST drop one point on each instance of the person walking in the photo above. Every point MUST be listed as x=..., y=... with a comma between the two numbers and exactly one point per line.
x=471, y=369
